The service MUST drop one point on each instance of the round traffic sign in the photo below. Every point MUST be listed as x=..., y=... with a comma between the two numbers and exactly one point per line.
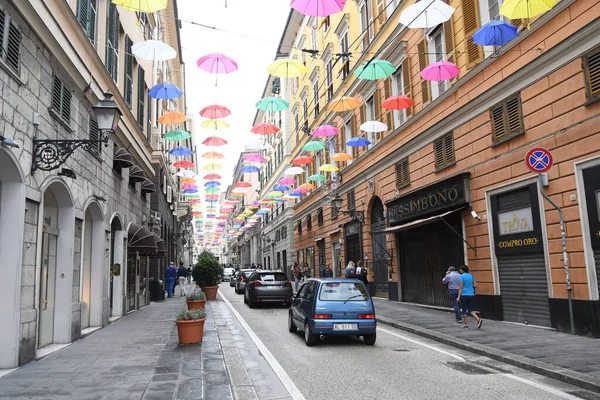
x=538, y=160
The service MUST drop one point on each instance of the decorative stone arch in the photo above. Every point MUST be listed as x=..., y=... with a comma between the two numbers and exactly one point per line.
x=94, y=272
x=12, y=202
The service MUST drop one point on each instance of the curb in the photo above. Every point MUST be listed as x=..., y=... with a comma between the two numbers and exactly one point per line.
x=571, y=377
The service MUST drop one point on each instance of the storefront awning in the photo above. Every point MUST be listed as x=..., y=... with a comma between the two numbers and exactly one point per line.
x=122, y=159
x=414, y=224
x=141, y=239
x=148, y=186
x=136, y=174
x=160, y=246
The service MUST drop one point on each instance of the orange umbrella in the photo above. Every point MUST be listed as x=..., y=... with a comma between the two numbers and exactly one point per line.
x=187, y=180
x=172, y=117
x=301, y=160
x=213, y=155
x=344, y=103
x=214, y=141
x=242, y=185
x=397, y=103
x=307, y=186
x=183, y=164
x=264, y=129
x=341, y=157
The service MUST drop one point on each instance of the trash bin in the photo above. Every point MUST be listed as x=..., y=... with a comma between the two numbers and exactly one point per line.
x=155, y=290
x=161, y=290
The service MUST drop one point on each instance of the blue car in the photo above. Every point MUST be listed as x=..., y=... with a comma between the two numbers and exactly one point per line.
x=333, y=307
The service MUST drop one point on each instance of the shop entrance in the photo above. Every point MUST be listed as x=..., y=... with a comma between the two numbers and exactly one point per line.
x=380, y=254
x=352, y=242
x=591, y=182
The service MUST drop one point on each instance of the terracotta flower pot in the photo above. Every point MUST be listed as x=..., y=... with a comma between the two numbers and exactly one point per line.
x=195, y=304
x=210, y=292
x=190, y=331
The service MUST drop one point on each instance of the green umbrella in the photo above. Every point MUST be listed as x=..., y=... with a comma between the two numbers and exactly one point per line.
x=272, y=104
x=177, y=135
x=317, y=178
x=313, y=146
x=212, y=190
x=375, y=69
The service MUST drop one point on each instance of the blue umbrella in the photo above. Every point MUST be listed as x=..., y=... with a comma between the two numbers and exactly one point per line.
x=281, y=188
x=250, y=168
x=190, y=191
x=295, y=194
x=165, y=91
x=181, y=151
x=212, y=183
x=358, y=141
x=495, y=33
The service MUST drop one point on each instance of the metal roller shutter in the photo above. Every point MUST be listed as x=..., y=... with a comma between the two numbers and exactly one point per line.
x=597, y=260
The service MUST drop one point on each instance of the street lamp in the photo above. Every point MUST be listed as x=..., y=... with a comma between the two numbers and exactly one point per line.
x=355, y=215
x=50, y=154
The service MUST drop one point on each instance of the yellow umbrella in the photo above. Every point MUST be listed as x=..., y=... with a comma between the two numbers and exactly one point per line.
x=212, y=167
x=214, y=124
x=213, y=155
x=307, y=186
x=147, y=6
x=515, y=9
x=172, y=117
x=328, y=168
x=275, y=193
x=341, y=157
x=344, y=103
x=287, y=68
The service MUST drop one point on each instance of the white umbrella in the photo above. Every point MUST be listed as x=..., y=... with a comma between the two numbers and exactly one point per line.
x=258, y=145
x=294, y=171
x=186, y=173
x=153, y=50
x=373, y=126
x=426, y=14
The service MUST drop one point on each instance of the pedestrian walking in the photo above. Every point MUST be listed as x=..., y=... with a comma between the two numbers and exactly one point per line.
x=189, y=274
x=327, y=272
x=350, y=270
x=363, y=274
x=181, y=278
x=466, y=294
x=452, y=279
x=170, y=275
x=306, y=271
x=297, y=275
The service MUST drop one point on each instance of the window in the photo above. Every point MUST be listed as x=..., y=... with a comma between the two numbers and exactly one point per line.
x=345, y=58
x=320, y=216
x=94, y=134
x=141, y=95
x=86, y=15
x=329, y=77
x=402, y=174
x=425, y=89
x=437, y=40
x=351, y=200
x=316, y=96
x=471, y=25
x=398, y=89
x=349, y=131
x=305, y=109
x=443, y=150
x=61, y=100
x=326, y=24
x=591, y=68
x=309, y=222
x=128, y=76
x=112, y=41
x=334, y=212
x=507, y=119
x=10, y=40
x=494, y=9
x=369, y=115
x=366, y=23
x=299, y=227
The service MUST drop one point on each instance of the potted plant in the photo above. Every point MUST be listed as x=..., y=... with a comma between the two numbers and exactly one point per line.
x=190, y=325
x=195, y=300
x=207, y=274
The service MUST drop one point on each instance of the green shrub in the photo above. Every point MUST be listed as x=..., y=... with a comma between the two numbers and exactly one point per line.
x=197, y=294
x=190, y=315
x=207, y=271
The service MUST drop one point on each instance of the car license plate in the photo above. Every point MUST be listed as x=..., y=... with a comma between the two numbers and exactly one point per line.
x=273, y=287
x=345, y=327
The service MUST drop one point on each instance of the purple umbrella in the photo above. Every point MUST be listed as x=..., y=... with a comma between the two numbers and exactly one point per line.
x=325, y=130
x=318, y=8
x=217, y=63
x=254, y=157
x=440, y=71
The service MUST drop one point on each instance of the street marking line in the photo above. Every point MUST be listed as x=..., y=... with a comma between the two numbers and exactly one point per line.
x=277, y=368
x=542, y=387
x=459, y=358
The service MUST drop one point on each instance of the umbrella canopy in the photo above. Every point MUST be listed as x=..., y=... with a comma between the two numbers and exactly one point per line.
x=212, y=167
x=272, y=104
x=325, y=130
x=214, y=155
x=307, y=186
x=190, y=191
x=293, y=171
x=258, y=145
x=172, y=118
x=264, y=129
x=147, y=6
x=440, y=71
x=313, y=146
x=318, y=8
x=515, y=9
x=214, y=141
x=217, y=63
x=185, y=173
x=215, y=111
x=373, y=126
x=341, y=157
x=317, y=178
x=214, y=124
x=274, y=193
x=165, y=91
x=295, y=194
x=242, y=185
x=183, y=164
x=250, y=169
x=212, y=189
x=287, y=181
x=358, y=142
x=344, y=103
x=328, y=168
x=187, y=180
x=254, y=157
x=189, y=186
x=495, y=33
x=153, y=50
x=397, y=103
x=375, y=69
x=281, y=188
x=302, y=160
x=177, y=135
x=287, y=68
x=212, y=176
x=212, y=183
x=181, y=151
x=426, y=14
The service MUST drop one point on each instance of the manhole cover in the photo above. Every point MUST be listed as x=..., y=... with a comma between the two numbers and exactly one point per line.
x=468, y=368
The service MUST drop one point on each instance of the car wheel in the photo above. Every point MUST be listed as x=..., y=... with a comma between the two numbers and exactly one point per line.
x=370, y=339
x=309, y=338
x=291, y=325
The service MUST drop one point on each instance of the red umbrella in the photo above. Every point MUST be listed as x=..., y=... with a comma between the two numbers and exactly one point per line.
x=301, y=160
x=242, y=185
x=264, y=129
x=215, y=111
x=214, y=141
x=210, y=177
x=397, y=103
x=183, y=164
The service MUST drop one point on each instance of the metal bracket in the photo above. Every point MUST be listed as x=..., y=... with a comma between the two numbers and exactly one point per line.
x=354, y=215
x=51, y=154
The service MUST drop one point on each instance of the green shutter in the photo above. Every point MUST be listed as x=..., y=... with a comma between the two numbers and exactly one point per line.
x=91, y=20
x=141, y=97
x=128, y=95
x=82, y=13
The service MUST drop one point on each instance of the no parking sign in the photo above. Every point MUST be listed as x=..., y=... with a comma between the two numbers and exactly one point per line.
x=538, y=160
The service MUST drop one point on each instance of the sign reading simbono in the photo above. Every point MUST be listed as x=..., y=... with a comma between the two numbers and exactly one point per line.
x=442, y=196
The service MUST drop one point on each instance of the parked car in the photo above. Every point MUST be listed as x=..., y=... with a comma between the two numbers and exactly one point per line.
x=227, y=273
x=268, y=287
x=333, y=306
x=233, y=278
x=241, y=279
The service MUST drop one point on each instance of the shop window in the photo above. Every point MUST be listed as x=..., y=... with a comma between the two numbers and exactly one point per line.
x=351, y=200
x=591, y=67
x=61, y=100
x=402, y=174
x=507, y=119
x=444, y=152
x=94, y=134
x=86, y=15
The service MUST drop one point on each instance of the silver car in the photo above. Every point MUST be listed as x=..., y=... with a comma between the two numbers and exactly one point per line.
x=241, y=278
x=268, y=287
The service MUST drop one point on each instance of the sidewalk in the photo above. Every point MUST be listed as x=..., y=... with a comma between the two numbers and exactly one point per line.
x=572, y=359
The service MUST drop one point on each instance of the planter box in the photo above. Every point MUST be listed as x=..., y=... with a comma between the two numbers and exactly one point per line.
x=210, y=292
x=195, y=304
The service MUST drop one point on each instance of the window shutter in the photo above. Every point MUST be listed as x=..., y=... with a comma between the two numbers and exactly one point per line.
x=363, y=116
x=498, y=128
x=592, y=74
x=91, y=27
x=407, y=83
x=471, y=24
x=514, y=116
x=128, y=72
x=438, y=149
x=380, y=14
x=448, y=149
x=112, y=41
x=387, y=92
x=82, y=13
x=56, y=94
x=422, y=49
x=141, y=97
x=378, y=112
x=356, y=133
x=402, y=173
x=2, y=23
x=66, y=105
x=516, y=22
x=13, y=48
x=449, y=41
x=94, y=134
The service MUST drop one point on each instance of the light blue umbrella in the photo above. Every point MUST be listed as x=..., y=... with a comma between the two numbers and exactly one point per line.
x=250, y=168
x=165, y=91
x=295, y=194
x=358, y=142
x=281, y=188
x=495, y=33
x=212, y=183
x=181, y=151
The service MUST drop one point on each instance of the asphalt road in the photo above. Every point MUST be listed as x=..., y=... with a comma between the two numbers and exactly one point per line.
x=399, y=366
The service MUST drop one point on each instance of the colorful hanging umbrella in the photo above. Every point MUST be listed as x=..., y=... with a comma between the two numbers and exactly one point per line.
x=172, y=118
x=249, y=169
x=373, y=126
x=214, y=141
x=253, y=157
x=264, y=129
x=317, y=178
x=313, y=146
x=181, y=151
x=302, y=160
x=515, y=9
x=183, y=164
x=215, y=111
x=495, y=33
x=358, y=142
x=213, y=155
x=212, y=183
x=189, y=186
x=275, y=193
x=295, y=194
x=242, y=185
x=153, y=50
x=215, y=124
x=397, y=103
x=341, y=157
x=258, y=145
x=293, y=171
x=325, y=130
x=306, y=186
x=217, y=63
x=187, y=180
x=287, y=68
x=426, y=14
x=328, y=168
x=440, y=71
x=212, y=176
x=212, y=189
x=185, y=173
x=165, y=91
x=212, y=167
x=281, y=188
x=146, y=6
x=287, y=181
x=375, y=69
x=177, y=135
x=344, y=103
x=318, y=8
x=272, y=104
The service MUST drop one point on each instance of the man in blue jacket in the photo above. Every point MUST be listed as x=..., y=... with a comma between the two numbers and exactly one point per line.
x=170, y=275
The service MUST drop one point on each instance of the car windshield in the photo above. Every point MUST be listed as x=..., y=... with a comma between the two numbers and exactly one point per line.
x=248, y=273
x=275, y=276
x=343, y=291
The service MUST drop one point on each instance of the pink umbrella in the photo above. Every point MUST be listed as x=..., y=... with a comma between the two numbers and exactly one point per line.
x=264, y=129
x=287, y=181
x=325, y=130
x=318, y=8
x=254, y=157
x=303, y=191
x=189, y=186
x=217, y=63
x=215, y=111
x=440, y=71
